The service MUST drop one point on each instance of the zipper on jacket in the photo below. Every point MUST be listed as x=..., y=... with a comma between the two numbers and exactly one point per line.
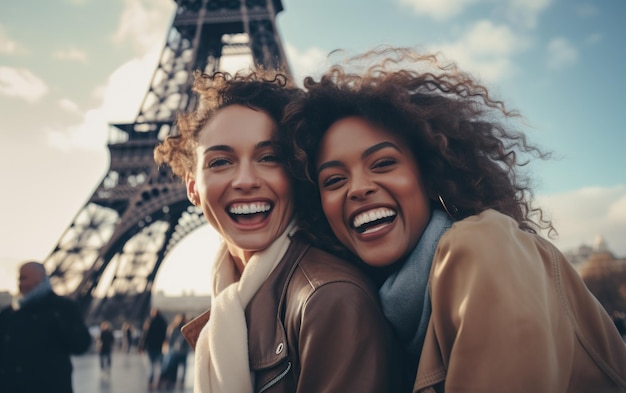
x=276, y=379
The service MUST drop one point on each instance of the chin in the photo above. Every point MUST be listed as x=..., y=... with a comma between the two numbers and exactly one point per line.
x=373, y=260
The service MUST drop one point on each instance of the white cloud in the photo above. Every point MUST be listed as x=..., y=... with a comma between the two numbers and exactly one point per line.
x=526, y=12
x=561, y=53
x=586, y=10
x=127, y=87
x=120, y=98
x=439, y=9
x=21, y=83
x=617, y=210
x=581, y=215
x=9, y=46
x=143, y=23
x=486, y=50
x=69, y=105
x=311, y=62
x=71, y=54
x=88, y=135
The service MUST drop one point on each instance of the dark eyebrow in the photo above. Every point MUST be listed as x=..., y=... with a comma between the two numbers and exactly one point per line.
x=263, y=144
x=218, y=148
x=229, y=149
x=328, y=164
x=377, y=147
x=370, y=150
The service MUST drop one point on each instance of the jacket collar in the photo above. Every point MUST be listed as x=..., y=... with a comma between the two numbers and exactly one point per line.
x=267, y=337
x=266, y=346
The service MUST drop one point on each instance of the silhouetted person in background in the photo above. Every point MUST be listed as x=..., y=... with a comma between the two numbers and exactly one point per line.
x=105, y=346
x=154, y=332
x=176, y=356
x=38, y=335
x=128, y=336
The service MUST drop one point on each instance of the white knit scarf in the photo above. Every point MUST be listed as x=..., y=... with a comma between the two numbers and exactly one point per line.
x=221, y=355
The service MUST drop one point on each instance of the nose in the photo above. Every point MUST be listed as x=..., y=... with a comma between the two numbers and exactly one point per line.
x=360, y=187
x=246, y=177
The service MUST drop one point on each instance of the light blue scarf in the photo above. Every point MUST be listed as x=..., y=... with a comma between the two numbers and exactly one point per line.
x=41, y=290
x=405, y=293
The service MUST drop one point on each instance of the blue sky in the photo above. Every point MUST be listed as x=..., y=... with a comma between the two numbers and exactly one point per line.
x=70, y=67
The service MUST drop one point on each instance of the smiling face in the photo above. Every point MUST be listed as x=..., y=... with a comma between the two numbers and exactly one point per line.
x=371, y=191
x=243, y=190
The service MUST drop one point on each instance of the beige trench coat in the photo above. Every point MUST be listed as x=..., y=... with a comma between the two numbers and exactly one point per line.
x=510, y=314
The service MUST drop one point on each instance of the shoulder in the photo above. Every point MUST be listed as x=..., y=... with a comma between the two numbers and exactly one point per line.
x=488, y=224
x=61, y=301
x=6, y=311
x=322, y=275
x=488, y=235
x=322, y=268
x=490, y=244
x=323, y=282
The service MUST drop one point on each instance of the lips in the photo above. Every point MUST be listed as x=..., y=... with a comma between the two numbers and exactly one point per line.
x=371, y=220
x=249, y=213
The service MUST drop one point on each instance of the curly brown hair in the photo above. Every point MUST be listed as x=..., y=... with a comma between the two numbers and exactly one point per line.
x=264, y=90
x=465, y=146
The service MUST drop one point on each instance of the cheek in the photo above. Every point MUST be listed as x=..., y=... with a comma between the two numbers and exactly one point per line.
x=332, y=205
x=283, y=185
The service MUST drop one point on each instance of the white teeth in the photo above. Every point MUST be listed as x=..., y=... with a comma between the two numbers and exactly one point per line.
x=372, y=215
x=249, y=208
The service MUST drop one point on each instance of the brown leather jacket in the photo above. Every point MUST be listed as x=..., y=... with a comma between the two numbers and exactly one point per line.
x=316, y=326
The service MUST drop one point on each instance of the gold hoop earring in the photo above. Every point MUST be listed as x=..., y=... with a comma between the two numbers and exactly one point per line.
x=443, y=204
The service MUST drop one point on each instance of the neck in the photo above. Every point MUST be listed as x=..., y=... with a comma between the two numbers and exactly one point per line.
x=240, y=257
x=42, y=289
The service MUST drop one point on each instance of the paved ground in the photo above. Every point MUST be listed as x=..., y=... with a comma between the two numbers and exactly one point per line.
x=129, y=374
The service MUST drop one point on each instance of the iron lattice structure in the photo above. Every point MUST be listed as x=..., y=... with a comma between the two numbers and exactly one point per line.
x=108, y=258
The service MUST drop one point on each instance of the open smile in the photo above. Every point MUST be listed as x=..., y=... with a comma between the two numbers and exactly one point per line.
x=373, y=220
x=249, y=213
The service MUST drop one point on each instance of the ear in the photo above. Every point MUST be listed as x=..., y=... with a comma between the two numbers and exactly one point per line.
x=192, y=194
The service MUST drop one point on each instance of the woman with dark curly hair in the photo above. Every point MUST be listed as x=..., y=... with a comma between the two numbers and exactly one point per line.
x=285, y=316
x=414, y=169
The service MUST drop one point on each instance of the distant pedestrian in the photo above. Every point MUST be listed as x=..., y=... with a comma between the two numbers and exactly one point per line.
x=175, y=359
x=128, y=336
x=105, y=346
x=38, y=335
x=154, y=332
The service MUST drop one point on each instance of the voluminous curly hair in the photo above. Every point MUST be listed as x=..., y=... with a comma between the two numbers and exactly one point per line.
x=467, y=151
x=264, y=90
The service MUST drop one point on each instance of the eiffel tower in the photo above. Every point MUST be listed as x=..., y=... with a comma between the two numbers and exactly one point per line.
x=108, y=258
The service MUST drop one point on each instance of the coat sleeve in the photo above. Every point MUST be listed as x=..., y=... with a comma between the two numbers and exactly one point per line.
x=345, y=343
x=70, y=326
x=496, y=313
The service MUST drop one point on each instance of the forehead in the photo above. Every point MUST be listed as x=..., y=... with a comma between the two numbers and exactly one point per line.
x=352, y=134
x=29, y=271
x=235, y=125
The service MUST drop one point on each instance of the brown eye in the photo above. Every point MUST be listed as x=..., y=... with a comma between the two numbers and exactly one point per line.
x=269, y=158
x=218, y=162
x=331, y=181
x=384, y=163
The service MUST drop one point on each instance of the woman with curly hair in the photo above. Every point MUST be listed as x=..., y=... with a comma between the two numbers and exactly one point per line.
x=285, y=316
x=415, y=170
